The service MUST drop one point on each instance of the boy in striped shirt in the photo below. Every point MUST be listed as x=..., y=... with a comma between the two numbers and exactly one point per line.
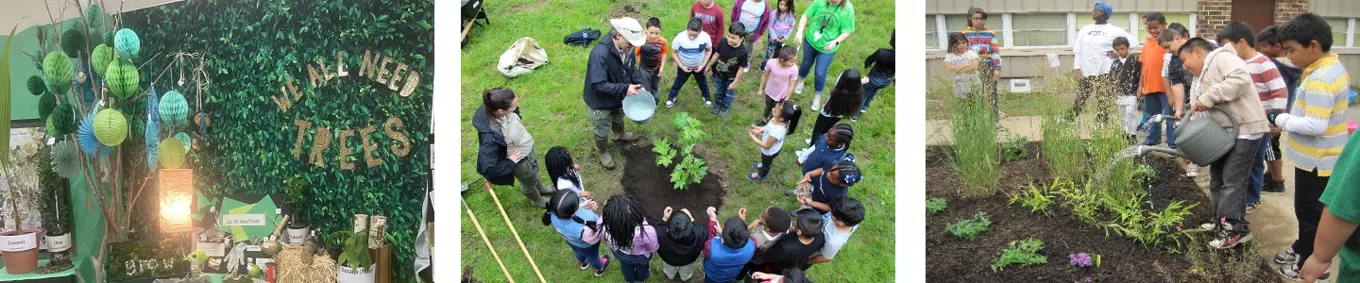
x=1268, y=43
x=1270, y=87
x=1314, y=127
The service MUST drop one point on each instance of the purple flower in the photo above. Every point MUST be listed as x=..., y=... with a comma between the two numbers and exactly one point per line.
x=1079, y=260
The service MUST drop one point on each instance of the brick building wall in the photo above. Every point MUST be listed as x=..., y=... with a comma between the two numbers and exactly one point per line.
x=1214, y=14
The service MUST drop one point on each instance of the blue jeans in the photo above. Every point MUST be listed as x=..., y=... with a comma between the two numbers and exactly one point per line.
x=589, y=255
x=635, y=268
x=871, y=90
x=681, y=77
x=1258, y=172
x=822, y=60
x=723, y=94
x=771, y=49
x=1154, y=104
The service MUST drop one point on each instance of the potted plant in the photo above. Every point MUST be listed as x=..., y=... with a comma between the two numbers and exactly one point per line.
x=355, y=264
x=56, y=210
x=19, y=246
x=298, y=228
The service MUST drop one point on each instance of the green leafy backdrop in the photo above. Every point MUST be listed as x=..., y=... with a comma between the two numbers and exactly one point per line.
x=252, y=48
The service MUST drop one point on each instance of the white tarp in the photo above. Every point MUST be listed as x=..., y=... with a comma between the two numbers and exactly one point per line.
x=522, y=58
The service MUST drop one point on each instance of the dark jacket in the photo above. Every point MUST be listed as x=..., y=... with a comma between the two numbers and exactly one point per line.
x=608, y=75
x=493, y=161
x=1291, y=77
x=1127, y=75
x=683, y=250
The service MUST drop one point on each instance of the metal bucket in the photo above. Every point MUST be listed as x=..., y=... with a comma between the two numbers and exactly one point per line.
x=640, y=107
x=1203, y=141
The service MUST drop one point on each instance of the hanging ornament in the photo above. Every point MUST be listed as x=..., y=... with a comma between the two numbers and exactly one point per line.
x=95, y=16
x=108, y=38
x=36, y=85
x=173, y=108
x=65, y=160
x=127, y=44
x=171, y=153
x=85, y=135
x=122, y=78
x=152, y=145
x=72, y=42
x=45, y=105
x=153, y=105
x=101, y=57
x=63, y=120
x=110, y=127
x=58, y=69
x=186, y=140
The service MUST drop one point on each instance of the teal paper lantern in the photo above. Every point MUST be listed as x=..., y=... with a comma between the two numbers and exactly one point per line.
x=36, y=85
x=110, y=127
x=101, y=57
x=58, y=69
x=127, y=44
x=73, y=42
x=94, y=15
x=63, y=120
x=122, y=78
x=45, y=105
x=173, y=108
x=186, y=140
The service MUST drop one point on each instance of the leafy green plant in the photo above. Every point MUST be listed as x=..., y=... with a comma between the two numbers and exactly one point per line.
x=355, y=245
x=691, y=169
x=1084, y=203
x=1014, y=149
x=1036, y=198
x=970, y=228
x=665, y=154
x=1022, y=252
x=975, y=154
x=936, y=205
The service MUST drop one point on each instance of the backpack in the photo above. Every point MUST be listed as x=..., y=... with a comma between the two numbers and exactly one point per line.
x=582, y=38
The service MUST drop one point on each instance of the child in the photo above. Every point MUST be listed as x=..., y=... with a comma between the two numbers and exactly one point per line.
x=793, y=252
x=681, y=243
x=963, y=63
x=563, y=172
x=773, y=224
x=826, y=152
x=846, y=214
x=830, y=183
x=986, y=42
x=1270, y=87
x=1178, y=78
x=727, y=67
x=652, y=55
x=754, y=15
x=1315, y=129
x=575, y=223
x=781, y=27
x=776, y=83
x=881, y=66
x=1336, y=229
x=728, y=251
x=846, y=97
x=1225, y=84
x=1127, y=73
x=631, y=238
x=1268, y=43
x=771, y=139
x=711, y=14
x=692, y=51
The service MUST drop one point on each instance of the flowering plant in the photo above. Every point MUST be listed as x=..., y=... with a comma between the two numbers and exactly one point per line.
x=1079, y=260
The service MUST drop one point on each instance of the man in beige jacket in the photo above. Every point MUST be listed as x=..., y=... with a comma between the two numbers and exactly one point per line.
x=1223, y=83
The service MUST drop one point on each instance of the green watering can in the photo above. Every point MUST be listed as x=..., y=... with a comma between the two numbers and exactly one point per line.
x=1202, y=141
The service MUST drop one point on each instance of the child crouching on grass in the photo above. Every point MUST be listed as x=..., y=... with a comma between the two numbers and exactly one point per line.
x=771, y=138
x=562, y=172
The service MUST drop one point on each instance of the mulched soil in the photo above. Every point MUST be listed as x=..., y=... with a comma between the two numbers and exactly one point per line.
x=951, y=259
x=650, y=185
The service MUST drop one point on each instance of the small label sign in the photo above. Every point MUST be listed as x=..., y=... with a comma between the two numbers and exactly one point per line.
x=18, y=243
x=243, y=220
x=212, y=249
x=58, y=243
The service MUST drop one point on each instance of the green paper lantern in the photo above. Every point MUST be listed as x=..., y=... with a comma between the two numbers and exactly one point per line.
x=174, y=109
x=72, y=42
x=58, y=69
x=101, y=57
x=36, y=85
x=171, y=153
x=122, y=78
x=45, y=105
x=127, y=44
x=186, y=140
x=63, y=119
x=110, y=127
x=51, y=127
x=94, y=16
x=108, y=37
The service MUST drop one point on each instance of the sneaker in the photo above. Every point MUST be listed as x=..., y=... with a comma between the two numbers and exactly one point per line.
x=753, y=176
x=670, y=103
x=816, y=98
x=1252, y=207
x=799, y=88
x=708, y=103
x=584, y=265
x=854, y=119
x=713, y=110
x=1291, y=272
x=1229, y=239
x=723, y=112
x=1273, y=186
x=1287, y=257
x=1211, y=226
x=604, y=265
x=1192, y=170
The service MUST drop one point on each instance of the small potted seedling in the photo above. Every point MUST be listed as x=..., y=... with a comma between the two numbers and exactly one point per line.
x=298, y=228
x=356, y=266
x=18, y=246
x=56, y=210
x=197, y=258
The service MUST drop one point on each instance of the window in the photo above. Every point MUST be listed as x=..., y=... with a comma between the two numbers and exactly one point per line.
x=932, y=36
x=959, y=22
x=1183, y=19
x=1039, y=29
x=1340, y=27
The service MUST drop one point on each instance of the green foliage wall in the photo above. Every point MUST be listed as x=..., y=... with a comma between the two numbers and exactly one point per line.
x=252, y=48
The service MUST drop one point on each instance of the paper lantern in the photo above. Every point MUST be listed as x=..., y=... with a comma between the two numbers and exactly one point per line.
x=108, y=38
x=186, y=140
x=110, y=127
x=46, y=104
x=94, y=16
x=58, y=69
x=101, y=57
x=171, y=153
x=122, y=78
x=85, y=135
x=152, y=144
x=63, y=120
x=65, y=159
x=176, y=188
x=73, y=42
x=173, y=108
x=36, y=85
x=152, y=104
x=127, y=44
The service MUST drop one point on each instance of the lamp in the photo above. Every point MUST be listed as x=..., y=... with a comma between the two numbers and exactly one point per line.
x=176, y=193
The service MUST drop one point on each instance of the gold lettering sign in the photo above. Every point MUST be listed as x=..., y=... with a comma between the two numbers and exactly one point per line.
x=320, y=142
x=365, y=134
x=403, y=146
x=302, y=129
x=345, y=151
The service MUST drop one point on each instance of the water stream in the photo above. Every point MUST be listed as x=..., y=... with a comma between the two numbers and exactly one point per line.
x=1129, y=152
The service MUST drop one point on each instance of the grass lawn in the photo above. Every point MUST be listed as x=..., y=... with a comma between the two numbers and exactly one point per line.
x=556, y=115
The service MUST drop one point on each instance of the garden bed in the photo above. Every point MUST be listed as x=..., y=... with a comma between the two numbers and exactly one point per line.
x=952, y=259
x=650, y=185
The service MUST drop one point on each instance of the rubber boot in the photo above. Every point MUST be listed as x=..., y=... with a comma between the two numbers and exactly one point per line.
x=536, y=199
x=606, y=160
x=545, y=189
x=622, y=135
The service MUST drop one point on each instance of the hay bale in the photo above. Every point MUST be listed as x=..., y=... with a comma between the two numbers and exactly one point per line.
x=291, y=268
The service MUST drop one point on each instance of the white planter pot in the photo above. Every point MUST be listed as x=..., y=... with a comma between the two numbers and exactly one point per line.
x=297, y=237
x=58, y=243
x=361, y=275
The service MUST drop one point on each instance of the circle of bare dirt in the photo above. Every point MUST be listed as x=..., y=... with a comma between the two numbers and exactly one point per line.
x=650, y=185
